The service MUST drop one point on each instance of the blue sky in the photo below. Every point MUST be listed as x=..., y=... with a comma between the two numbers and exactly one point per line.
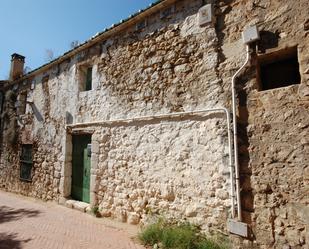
x=30, y=27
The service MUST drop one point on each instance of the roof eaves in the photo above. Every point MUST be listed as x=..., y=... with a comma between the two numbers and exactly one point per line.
x=83, y=45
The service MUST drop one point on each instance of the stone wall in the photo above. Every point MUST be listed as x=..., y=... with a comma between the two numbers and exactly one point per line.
x=178, y=166
x=167, y=167
x=278, y=161
x=273, y=125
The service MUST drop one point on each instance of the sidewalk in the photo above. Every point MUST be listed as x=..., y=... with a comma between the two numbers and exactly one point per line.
x=30, y=224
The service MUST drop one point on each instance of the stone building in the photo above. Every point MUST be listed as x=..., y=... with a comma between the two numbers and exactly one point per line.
x=138, y=120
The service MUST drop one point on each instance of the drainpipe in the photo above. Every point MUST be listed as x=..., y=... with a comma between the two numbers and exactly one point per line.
x=236, y=163
x=232, y=190
x=249, y=36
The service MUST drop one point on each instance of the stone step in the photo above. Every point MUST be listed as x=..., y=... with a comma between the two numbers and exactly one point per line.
x=77, y=205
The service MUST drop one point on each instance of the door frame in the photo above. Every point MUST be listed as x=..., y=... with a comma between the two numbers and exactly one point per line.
x=81, y=168
x=66, y=169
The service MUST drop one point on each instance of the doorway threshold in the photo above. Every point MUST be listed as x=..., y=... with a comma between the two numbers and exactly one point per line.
x=78, y=205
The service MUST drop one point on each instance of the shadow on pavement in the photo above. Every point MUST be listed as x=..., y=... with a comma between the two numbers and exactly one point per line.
x=10, y=241
x=8, y=214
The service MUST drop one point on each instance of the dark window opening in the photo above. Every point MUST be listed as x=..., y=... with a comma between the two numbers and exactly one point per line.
x=26, y=162
x=45, y=79
x=21, y=103
x=279, y=69
x=85, y=78
x=89, y=79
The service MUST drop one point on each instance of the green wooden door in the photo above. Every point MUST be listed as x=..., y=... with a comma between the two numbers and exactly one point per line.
x=81, y=168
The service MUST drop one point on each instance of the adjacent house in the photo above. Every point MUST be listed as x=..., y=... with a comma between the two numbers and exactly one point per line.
x=190, y=109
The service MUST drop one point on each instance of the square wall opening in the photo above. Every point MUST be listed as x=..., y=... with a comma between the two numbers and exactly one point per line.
x=278, y=69
x=85, y=78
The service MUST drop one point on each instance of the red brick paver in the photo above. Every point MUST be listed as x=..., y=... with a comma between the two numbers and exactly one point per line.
x=30, y=224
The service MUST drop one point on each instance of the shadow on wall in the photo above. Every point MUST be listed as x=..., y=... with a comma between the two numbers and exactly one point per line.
x=247, y=194
x=220, y=26
x=36, y=112
x=10, y=241
x=267, y=40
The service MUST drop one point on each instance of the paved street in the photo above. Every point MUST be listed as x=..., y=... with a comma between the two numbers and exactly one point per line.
x=30, y=224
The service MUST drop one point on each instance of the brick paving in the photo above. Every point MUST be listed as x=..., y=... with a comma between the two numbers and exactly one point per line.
x=30, y=224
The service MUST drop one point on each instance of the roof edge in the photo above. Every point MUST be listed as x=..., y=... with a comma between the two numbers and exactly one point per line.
x=115, y=28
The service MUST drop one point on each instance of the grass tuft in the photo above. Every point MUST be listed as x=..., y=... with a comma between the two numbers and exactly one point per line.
x=177, y=236
x=151, y=235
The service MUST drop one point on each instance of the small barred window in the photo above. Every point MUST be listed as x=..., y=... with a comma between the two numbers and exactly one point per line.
x=26, y=162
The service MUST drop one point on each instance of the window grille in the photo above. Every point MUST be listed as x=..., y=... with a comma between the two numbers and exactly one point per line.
x=26, y=162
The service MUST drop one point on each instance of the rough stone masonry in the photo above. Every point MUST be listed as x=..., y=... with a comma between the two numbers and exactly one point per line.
x=163, y=61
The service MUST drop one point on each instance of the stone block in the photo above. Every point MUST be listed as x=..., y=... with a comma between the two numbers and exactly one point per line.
x=62, y=200
x=80, y=206
x=94, y=161
x=105, y=213
x=93, y=183
x=133, y=218
x=191, y=210
x=65, y=186
x=69, y=203
x=121, y=214
x=95, y=147
x=66, y=170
